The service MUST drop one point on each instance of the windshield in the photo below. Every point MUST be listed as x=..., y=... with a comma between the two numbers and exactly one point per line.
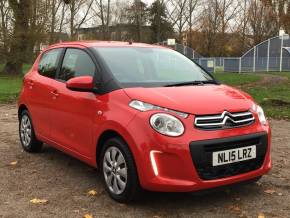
x=151, y=66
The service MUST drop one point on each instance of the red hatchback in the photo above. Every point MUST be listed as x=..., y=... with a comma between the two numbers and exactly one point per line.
x=147, y=116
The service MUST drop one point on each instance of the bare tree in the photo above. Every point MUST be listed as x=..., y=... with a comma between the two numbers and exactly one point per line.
x=177, y=14
x=5, y=14
x=102, y=10
x=76, y=20
x=191, y=7
x=21, y=12
x=262, y=22
x=54, y=11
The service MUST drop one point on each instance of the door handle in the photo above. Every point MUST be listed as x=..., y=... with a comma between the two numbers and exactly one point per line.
x=55, y=94
x=30, y=84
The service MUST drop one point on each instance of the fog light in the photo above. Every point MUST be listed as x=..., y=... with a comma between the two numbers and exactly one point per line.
x=153, y=161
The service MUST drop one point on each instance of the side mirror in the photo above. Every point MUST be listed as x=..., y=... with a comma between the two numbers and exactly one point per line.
x=81, y=84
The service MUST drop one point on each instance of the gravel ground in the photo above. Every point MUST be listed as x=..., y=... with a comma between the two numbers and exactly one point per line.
x=64, y=183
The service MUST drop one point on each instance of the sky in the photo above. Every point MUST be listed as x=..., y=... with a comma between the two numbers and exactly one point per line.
x=148, y=1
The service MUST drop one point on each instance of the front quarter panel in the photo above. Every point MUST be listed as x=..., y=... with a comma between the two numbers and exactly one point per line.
x=113, y=114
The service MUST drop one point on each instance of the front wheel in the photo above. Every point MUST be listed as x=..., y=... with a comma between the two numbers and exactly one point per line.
x=27, y=136
x=119, y=171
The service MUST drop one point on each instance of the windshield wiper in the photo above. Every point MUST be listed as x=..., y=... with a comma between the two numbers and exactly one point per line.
x=193, y=83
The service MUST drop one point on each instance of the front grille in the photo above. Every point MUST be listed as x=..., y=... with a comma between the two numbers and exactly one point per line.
x=224, y=120
x=201, y=152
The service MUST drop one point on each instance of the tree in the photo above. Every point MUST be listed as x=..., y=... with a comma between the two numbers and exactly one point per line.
x=191, y=6
x=161, y=27
x=5, y=14
x=262, y=22
x=21, y=10
x=75, y=8
x=177, y=14
x=102, y=11
x=55, y=6
x=137, y=16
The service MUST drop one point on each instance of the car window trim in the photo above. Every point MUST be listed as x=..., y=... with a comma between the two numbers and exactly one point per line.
x=97, y=69
x=58, y=61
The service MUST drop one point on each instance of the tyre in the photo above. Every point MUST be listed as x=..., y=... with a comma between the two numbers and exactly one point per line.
x=119, y=171
x=27, y=136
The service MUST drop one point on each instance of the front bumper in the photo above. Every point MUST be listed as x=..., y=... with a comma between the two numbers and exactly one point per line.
x=183, y=164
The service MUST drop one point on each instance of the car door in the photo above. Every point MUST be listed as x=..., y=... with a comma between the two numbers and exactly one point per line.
x=73, y=112
x=39, y=90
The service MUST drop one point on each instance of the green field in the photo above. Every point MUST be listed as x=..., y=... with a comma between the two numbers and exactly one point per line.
x=273, y=95
x=10, y=86
x=235, y=79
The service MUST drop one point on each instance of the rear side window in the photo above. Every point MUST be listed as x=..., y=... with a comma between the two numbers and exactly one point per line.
x=76, y=63
x=49, y=62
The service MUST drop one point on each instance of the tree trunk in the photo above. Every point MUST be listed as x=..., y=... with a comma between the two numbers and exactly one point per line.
x=72, y=18
x=19, y=44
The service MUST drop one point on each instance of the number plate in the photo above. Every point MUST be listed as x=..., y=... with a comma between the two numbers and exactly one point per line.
x=234, y=155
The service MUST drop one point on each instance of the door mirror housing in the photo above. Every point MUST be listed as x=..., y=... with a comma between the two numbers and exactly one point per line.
x=81, y=84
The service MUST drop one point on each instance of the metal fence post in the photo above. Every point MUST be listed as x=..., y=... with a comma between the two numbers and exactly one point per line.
x=268, y=55
x=254, y=61
x=281, y=55
x=240, y=65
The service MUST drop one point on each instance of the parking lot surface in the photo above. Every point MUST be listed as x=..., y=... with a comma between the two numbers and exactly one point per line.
x=59, y=185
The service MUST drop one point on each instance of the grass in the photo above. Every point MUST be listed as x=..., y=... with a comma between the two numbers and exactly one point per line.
x=273, y=97
x=235, y=79
x=9, y=88
x=10, y=85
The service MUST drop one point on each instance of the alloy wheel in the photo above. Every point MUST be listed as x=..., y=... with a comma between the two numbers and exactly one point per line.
x=115, y=170
x=25, y=130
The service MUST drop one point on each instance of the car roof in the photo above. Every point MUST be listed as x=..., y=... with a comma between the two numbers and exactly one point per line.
x=116, y=44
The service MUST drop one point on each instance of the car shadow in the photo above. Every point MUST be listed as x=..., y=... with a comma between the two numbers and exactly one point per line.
x=77, y=170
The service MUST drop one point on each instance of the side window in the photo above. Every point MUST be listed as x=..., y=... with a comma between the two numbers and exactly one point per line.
x=76, y=63
x=49, y=62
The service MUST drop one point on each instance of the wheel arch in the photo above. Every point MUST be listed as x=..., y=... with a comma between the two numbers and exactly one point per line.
x=111, y=131
x=21, y=108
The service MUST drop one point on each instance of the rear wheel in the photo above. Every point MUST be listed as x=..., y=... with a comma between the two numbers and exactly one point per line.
x=119, y=171
x=27, y=135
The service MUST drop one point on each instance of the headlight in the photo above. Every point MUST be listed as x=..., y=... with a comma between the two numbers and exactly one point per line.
x=142, y=106
x=167, y=125
x=261, y=115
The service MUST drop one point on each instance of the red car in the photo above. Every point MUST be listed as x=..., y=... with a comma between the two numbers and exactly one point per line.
x=146, y=116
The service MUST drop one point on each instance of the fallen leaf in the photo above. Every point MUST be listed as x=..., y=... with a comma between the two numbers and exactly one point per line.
x=261, y=215
x=92, y=193
x=270, y=191
x=38, y=201
x=88, y=216
x=14, y=163
x=234, y=208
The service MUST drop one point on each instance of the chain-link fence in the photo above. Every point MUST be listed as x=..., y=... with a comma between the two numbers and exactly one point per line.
x=270, y=55
x=207, y=63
